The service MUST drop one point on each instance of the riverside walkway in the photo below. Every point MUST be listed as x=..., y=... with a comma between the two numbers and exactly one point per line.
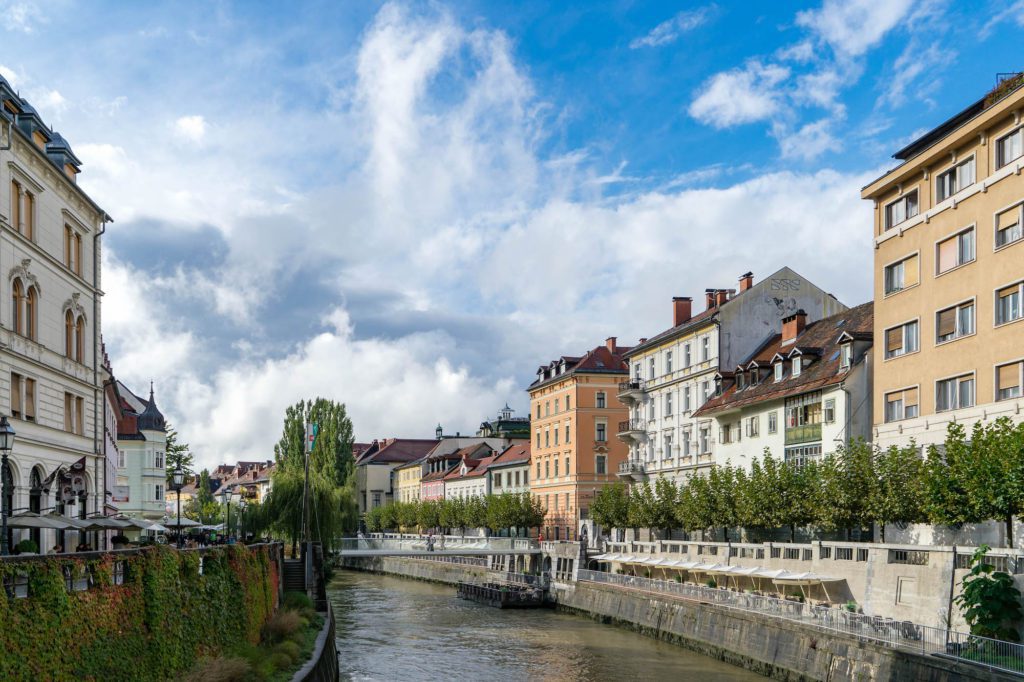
x=423, y=546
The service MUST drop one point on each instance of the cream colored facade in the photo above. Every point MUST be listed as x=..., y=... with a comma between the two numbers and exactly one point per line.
x=949, y=277
x=409, y=475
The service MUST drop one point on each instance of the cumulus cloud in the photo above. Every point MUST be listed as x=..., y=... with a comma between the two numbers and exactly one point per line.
x=852, y=27
x=190, y=128
x=740, y=96
x=21, y=15
x=669, y=31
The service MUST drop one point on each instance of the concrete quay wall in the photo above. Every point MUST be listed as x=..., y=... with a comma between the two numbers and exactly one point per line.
x=773, y=647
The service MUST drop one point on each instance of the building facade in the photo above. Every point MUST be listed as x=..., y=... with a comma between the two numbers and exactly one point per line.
x=506, y=425
x=948, y=276
x=804, y=392
x=469, y=477
x=50, y=375
x=409, y=476
x=510, y=471
x=142, y=449
x=574, y=407
x=673, y=374
x=375, y=468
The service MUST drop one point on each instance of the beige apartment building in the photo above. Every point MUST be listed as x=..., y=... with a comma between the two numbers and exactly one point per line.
x=949, y=274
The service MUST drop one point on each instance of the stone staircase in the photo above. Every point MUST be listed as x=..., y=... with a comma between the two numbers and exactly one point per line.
x=294, y=575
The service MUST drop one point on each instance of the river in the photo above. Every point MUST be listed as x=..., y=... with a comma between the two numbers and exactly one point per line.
x=392, y=628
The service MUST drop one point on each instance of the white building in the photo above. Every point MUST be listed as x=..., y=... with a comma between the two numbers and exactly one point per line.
x=673, y=374
x=469, y=478
x=142, y=450
x=801, y=394
x=50, y=379
x=509, y=472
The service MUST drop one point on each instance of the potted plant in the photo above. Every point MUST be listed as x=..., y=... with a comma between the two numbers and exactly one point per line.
x=851, y=606
x=679, y=578
x=711, y=583
x=26, y=546
x=119, y=541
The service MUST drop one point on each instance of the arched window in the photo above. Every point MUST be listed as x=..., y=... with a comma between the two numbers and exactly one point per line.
x=32, y=314
x=80, y=339
x=35, y=501
x=17, y=296
x=69, y=334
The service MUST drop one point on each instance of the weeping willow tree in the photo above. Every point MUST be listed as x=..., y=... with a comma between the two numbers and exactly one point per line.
x=333, y=510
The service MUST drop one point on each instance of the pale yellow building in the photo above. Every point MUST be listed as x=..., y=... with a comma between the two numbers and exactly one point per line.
x=949, y=274
x=409, y=475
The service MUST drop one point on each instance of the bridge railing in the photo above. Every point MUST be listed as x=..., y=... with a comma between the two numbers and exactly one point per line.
x=992, y=653
x=438, y=542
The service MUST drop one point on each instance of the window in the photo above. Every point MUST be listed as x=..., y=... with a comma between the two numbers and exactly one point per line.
x=686, y=356
x=80, y=416
x=547, y=408
x=567, y=440
x=556, y=405
x=16, y=205
x=1008, y=380
x=1009, y=148
x=668, y=404
x=797, y=366
x=773, y=422
x=705, y=391
x=538, y=412
x=903, y=208
x=686, y=442
x=777, y=369
x=17, y=297
x=955, y=322
x=32, y=313
x=120, y=459
x=753, y=427
x=955, y=393
x=547, y=469
x=556, y=436
x=650, y=368
x=556, y=468
x=601, y=432
x=901, y=275
x=705, y=349
x=566, y=465
x=803, y=410
x=636, y=369
x=830, y=411
x=601, y=400
x=1009, y=226
x=901, y=340
x=601, y=465
x=686, y=399
x=547, y=438
x=955, y=251
x=667, y=454
x=1008, y=303
x=23, y=397
x=16, y=390
x=845, y=355
x=538, y=469
x=902, y=404
x=538, y=440
x=955, y=179
x=158, y=459
x=803, y=454
x=668, y=362
x=69, y=412
x=705, y=439
x=158, y=493
x=69, y=334
x=568, y=403
x=69, y=246
x=739, y=381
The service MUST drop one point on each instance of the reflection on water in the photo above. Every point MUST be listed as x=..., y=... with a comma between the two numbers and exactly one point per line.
x=397, y=629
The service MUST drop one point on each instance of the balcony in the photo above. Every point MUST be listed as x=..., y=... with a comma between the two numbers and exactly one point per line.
x=808, y=433
x=631, y=390
x=632, y=430
x=633, y=470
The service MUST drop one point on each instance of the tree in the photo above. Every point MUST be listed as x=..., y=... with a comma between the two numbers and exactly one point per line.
x=989, y=600
x=847, y=485
x=203, y=507
x=798, y=494
x=475, y=514
x=408, y=514
x=695, y=509
x=177, y=453
x=666, y=496
x=642, y=507
x=722, y=485
x=610, y=508
x=428, y=514
x=898, y=496
x=994, y=472
x=502, y=511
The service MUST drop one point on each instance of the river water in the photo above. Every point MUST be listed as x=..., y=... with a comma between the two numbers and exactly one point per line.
x=392, y=628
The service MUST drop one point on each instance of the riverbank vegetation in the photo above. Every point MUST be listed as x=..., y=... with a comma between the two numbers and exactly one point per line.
x=965, y=480
x=496, y=513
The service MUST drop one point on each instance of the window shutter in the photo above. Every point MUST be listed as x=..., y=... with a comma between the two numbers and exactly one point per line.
x=1008, y=218
x=1008, y=291
x=894, y=339
x=911, y=272
x=30, y=398
x=1009, y=376
x=947, y=254
x=947, y=322
x=910, y=396
x=15, y=393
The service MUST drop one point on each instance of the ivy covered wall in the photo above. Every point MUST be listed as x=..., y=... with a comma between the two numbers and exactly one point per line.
x=147, y=615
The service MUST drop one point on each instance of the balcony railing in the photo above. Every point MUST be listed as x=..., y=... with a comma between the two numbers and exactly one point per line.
x=631, y=425
x=631, y=467
x=631, y=389
x=803, y=434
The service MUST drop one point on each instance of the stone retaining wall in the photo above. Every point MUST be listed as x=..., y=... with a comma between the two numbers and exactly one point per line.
x=419, y=569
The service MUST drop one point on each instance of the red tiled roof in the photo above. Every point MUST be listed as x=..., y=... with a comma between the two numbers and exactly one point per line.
x=600, y=359
x=513, y=454
x=400, y=450
x=819, y=339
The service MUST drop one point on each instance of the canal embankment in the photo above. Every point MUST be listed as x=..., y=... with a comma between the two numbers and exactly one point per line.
x=773, y=647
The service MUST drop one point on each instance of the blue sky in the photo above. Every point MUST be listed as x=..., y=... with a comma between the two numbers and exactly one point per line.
x=409, y=206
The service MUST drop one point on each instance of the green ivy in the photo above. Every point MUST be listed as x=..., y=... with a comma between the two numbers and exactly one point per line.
x=153, y=626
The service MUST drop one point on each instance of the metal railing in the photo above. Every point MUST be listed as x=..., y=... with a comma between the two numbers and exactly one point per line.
x=631, y=385
x=480, y=562
x=438, y=542
x=631, y=425
x=992, y=653
x=632, y=466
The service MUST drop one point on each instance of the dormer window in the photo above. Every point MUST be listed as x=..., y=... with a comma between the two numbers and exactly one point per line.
x=797, y=365
x=778, y=371
x=739, y=381
x=846, y=355
x=718, y=386
x=753, y=376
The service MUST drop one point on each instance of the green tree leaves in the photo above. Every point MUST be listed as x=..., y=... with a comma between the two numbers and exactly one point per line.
x=989, y=600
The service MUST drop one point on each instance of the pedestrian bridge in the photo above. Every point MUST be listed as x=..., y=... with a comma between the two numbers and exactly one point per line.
x=447, y=545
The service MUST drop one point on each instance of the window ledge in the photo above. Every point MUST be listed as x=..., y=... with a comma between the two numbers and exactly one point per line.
x=955, y=268
x=900, y=291
x=955, y=339
x=1007, y=245
x=1000, y=325
x=898, y=357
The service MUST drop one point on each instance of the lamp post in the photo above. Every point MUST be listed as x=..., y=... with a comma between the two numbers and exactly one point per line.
x=177, y=483
x=241, y=518
x=6, y=445
x=225, y=498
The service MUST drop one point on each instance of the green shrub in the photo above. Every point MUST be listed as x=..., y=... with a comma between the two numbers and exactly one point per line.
x=280, y=660
x=711, y=582
x=221, y=669
x=26, y=546
x=291, y=648
x=282, y=625
x=297, y=601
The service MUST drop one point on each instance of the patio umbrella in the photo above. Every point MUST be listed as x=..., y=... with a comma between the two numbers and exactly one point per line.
x=158, y=528
x=109, y=522
x=184, y=523
x=74, y=524
x=31, y=520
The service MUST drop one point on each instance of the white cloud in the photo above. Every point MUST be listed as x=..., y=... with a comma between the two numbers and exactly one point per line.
x=21, y=15
x=740, y=96
x=10, y=75
x=190, y=128
x=809, y=142
x=852, y=27
x=669, y=31
x=912, y=63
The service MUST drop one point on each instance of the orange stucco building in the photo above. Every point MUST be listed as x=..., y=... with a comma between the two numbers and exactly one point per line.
x=575, y=412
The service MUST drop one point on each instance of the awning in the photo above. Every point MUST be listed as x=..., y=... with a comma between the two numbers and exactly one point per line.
x=806, y=579
x=610, y=557
x=772, y=574
x=30, y=520
x=184, y=523
x=745, y=570
x=654, y=561
x=707, y=568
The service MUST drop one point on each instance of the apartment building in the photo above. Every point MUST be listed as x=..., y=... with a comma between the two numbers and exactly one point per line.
x=50, y=371
x=510, y=471
x=142, y=455
x=574, y=406
x=949, y=274
x=803, y=393
x=674, y=373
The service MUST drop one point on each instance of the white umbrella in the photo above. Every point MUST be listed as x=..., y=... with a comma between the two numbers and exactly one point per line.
x=30, y=520
x=184, y=523
x=158, y=528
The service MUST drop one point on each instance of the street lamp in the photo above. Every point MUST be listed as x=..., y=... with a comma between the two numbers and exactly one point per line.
x=225, y=498
x=177, y=483
x=6, y=445
x=236, y=497
x=241, y=519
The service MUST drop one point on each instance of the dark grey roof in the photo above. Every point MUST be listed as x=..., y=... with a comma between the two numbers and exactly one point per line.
x=151, y=418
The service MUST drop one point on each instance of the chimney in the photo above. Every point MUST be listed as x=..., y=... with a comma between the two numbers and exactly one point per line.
x=793, y=325
x=643, y=340
x=681, y=309
x=746, y=281
x=610, y=342
x=709, y=299
x=721, y=296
